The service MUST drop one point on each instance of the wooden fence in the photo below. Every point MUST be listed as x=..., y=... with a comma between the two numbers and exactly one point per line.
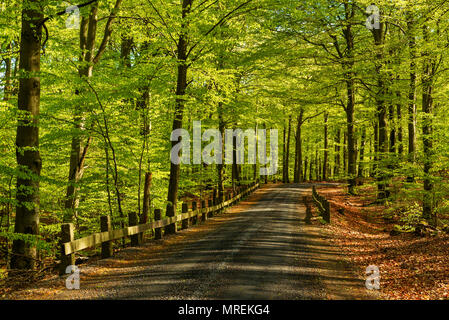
x=322, y=204
x=69, y=245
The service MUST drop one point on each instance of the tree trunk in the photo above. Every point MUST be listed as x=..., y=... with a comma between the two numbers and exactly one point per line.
x=27, y=139
x=350, y=89
x=298, y=151
x=284, y=153
x=7, y=88
x=220, y=165
x=305, y=168
x=392, y=148
x=375, y=148
x=412, y=91
x=326, y=152
x=88, y=30
x=382, y=192
x=88, y=58
x=427, y=129
x=400, y=131
x=337, y=154
x=345, y=153
x=287, y=156
x=235, y=166
x=146, y=207
x=362, y=151
x=310, y=168
x=181, y=86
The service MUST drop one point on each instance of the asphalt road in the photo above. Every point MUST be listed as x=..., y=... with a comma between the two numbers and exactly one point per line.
x=265, y=251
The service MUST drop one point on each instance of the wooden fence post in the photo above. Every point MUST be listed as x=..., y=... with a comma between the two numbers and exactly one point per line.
x=135, y=238
x=214, y=201
x=194, y=208
x=327, y=216
x=105, y=226
x=67, y=235
x=308, y=210
x=203, y=214
x=185, y=222
x=157, y=231
x=210, y=204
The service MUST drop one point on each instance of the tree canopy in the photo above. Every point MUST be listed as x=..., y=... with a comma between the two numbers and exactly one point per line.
x=90, y=93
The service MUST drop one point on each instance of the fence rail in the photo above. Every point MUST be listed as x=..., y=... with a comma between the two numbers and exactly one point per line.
x=322, y=204
x=70, y=245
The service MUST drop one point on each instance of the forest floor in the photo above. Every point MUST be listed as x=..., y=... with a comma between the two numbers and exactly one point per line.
x=260, y=248
x=411, y=266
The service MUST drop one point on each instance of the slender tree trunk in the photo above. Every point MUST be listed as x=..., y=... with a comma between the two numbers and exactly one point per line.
x=337, y=154
x=88, y=29
x=412, y=91
x=345, y=153
x=350, y=106
x=399, y=124
x=351, y=141
x=382, y=192
x=88, y=58
x=305, y=168
x=146, y=198
x=427, y=129
x=235, y=166
x=142, y=108
x=311, y=168
x=284, y=151
x=298, y=152
x=382, y=149
x=265, y=129
x=181, y=86
x=287, y=159
x=288, y=146
x=362, y=151
x=326, y=152
x=7, y=88
x=220, y=165
x=392, y=148
x=27, y=140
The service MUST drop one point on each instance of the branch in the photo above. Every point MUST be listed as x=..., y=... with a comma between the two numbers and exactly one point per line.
x=220, y=22
x=107, y=31
x=60, y=13
x=311, y=117
x=163, y=22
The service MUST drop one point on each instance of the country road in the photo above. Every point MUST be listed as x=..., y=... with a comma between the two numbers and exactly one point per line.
x=261, y=249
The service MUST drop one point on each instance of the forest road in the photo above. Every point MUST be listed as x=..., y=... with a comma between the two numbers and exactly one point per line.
x=264, y=251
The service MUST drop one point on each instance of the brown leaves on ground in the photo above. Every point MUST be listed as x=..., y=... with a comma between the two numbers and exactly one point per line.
x=411, y=267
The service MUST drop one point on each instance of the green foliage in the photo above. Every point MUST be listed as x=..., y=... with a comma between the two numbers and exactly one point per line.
x=410, y=218
x=251, y=64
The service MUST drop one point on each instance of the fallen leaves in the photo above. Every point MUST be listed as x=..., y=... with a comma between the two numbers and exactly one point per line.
x=411, y=267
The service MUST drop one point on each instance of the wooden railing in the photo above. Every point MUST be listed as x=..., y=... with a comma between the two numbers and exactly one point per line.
x=69, y=245
x=322, y=204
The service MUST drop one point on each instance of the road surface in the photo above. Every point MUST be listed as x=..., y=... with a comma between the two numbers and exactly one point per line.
x=262, y=251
